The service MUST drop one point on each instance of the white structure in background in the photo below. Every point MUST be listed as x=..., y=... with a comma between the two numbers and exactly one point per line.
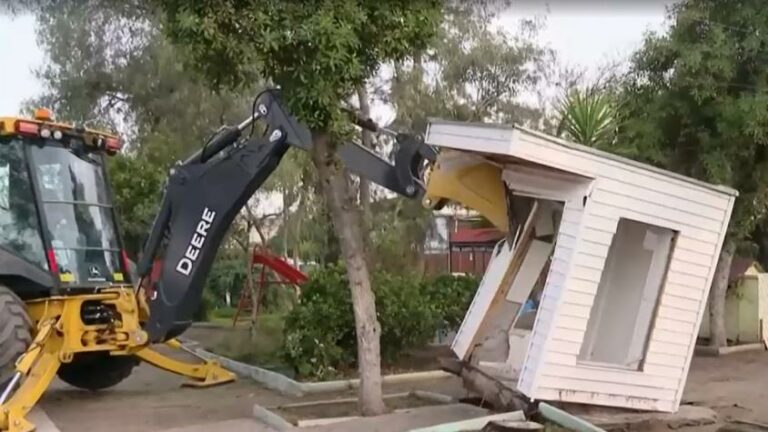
x=620, y=256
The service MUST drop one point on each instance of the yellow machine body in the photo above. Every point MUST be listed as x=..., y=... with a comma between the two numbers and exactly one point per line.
x=60, y=334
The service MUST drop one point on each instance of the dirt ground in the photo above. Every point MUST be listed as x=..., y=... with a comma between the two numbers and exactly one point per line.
x=736, y=386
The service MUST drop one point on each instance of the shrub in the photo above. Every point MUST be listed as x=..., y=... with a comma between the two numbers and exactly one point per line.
x=319, y=338
x=450, y=297
x=319, y=332
x=406, y=316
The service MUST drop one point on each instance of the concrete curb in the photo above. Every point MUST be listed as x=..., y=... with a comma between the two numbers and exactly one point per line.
x=205, y=324
x=271, y=380
x=566, y=419
x=287, y=386
x=706, y=351
x=267, y=416
x=471, y=424
x=271, y=419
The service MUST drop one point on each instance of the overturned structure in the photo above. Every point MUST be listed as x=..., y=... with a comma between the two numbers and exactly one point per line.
x=597, y=292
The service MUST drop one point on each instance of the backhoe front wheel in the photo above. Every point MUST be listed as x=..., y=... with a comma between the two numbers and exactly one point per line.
x=15, y=332
x=97, y=370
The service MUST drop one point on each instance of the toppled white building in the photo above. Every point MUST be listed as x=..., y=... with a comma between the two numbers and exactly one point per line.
x=618, y=255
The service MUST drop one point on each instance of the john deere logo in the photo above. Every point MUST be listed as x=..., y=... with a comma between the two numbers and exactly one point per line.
x=94, y=272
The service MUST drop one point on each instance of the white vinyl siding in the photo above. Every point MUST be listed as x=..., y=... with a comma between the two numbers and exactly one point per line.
x=699, y=216
x=697, y=212
x=558, y=270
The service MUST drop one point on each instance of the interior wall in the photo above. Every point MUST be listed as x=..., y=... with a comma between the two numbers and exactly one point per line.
x=624, y=305
x=494, y=338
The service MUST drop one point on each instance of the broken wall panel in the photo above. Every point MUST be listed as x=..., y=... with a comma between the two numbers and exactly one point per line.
x=599, y=191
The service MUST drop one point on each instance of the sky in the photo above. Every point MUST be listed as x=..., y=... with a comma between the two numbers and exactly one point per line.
x=589, y=33
x=583, y=33
x=21, y=56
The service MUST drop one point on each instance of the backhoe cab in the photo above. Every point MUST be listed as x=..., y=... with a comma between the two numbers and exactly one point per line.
x=58, y=230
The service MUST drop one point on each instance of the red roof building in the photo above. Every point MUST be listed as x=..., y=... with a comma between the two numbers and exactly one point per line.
x=471, y=249
x=455, y=245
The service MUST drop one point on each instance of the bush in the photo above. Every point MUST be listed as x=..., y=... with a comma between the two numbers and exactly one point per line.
x=319, y=333
x=320, y=340
x=450, y=297
x=405, y=313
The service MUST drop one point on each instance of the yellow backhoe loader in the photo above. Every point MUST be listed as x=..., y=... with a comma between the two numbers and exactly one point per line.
x=70, y=303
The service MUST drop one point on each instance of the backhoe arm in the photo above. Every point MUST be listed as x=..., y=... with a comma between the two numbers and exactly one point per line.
x=204, y=194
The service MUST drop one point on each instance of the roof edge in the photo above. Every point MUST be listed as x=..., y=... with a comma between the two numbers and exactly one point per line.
x=585, y=149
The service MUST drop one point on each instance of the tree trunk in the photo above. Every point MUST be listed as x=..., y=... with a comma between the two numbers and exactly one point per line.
x=285, y=222
x=345, y=216
x=367, y=141
x=717, y=334
x=254, y=298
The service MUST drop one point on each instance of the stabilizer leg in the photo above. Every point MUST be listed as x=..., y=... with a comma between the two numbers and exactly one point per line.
x=206, y=374
x=35, y=369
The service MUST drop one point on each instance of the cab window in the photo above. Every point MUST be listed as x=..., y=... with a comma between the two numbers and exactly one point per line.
x=19, y=227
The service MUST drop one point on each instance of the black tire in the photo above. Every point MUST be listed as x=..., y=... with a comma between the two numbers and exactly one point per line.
x=97, y=371
x=15, y=332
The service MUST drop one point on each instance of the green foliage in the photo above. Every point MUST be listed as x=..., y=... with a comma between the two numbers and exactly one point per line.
x=116, y=69
x=696, y=101
x=207, y=303
x=227, y=274
x=137, y=188
x=319, y=340
x=319, y=333
x=405, y=313
x=450, y=296
x=318, y=52
x=397, y=233
x=222, y=313
x=588, y=116
x=476, y=73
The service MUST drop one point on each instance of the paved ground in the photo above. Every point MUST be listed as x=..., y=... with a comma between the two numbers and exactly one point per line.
x=151, y=400
x=736, y=386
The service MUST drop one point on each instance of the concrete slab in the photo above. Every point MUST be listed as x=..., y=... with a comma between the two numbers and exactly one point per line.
x=235, y=425
x=406, y=420
x=40, y=419
x=615, y=419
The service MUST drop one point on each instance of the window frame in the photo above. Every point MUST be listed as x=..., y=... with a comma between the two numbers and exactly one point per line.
x=45, y=231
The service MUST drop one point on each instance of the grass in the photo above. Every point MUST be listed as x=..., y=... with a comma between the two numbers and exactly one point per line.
x=262, y=347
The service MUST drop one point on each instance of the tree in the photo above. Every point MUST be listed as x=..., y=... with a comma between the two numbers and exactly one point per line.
x=476, y=73
x=319, y=53
x=696, y=103
x=130, y=80
x=471, y=72
x=117, y=70
x=588, y=116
